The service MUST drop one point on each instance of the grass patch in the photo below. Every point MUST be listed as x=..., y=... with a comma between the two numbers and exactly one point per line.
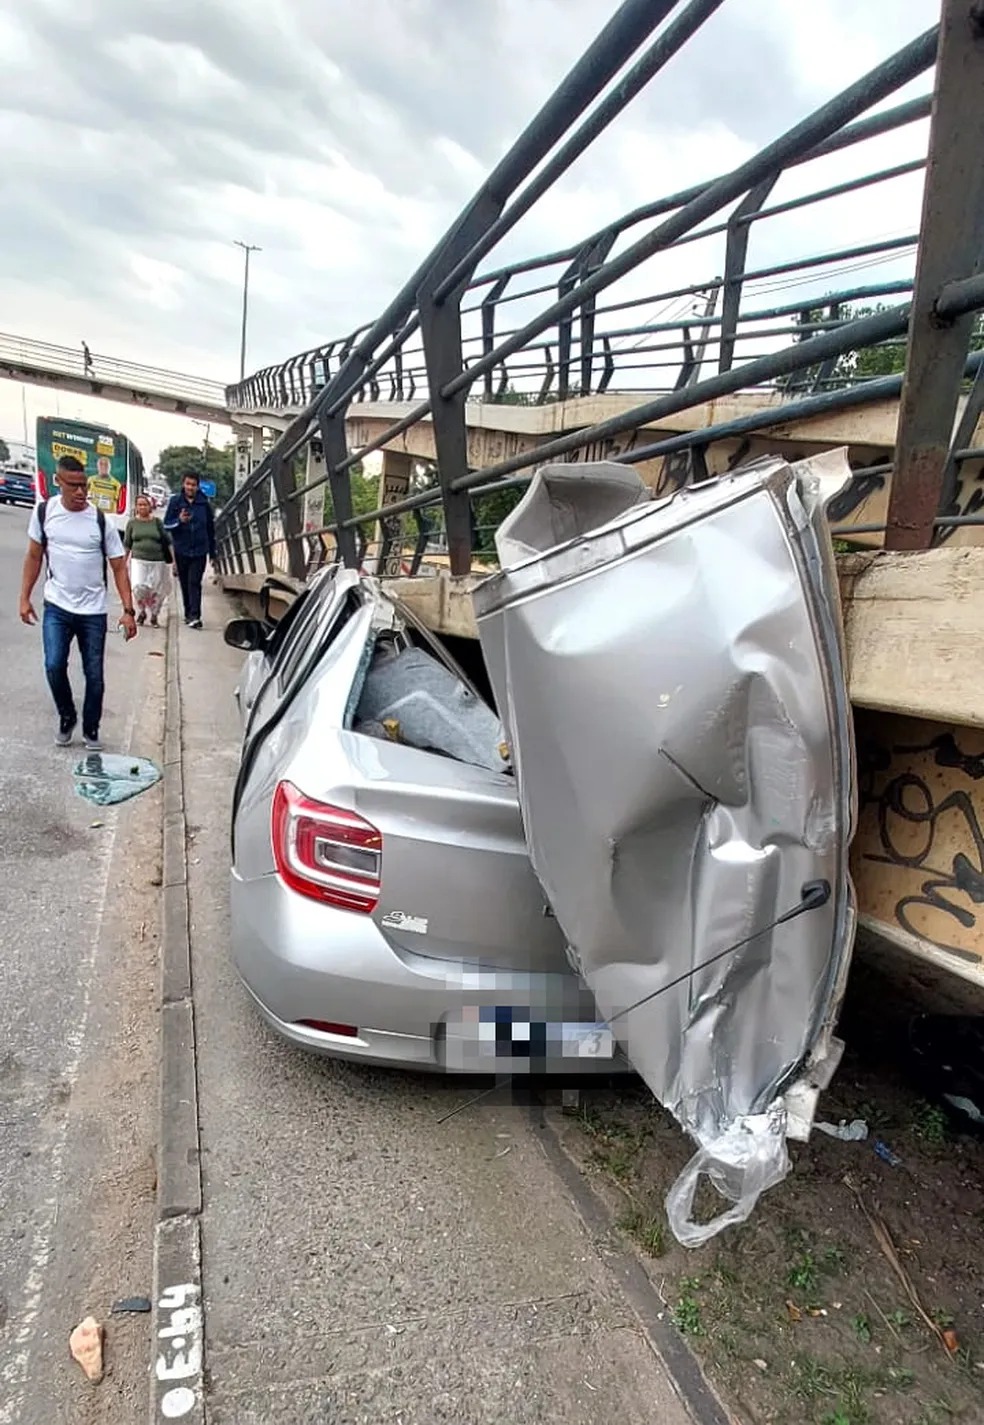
x=687, y=1316
x=862, y=1328
x=929, y=1125
x=646, y=1230
x=616, y=1146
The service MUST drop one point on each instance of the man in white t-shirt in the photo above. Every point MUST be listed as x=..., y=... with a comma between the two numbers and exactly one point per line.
x=78, y=543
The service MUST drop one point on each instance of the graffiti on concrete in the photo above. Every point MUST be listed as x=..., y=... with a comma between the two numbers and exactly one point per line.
x=969, y=501
x=919, y=851
x=855, y=496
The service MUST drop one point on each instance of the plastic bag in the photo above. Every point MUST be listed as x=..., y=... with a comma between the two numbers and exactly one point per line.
x=742, y=1163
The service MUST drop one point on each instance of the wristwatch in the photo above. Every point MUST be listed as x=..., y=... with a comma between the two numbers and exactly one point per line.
x=131, y=613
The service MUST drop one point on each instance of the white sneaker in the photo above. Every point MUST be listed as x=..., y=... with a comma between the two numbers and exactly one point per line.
x=63, y=737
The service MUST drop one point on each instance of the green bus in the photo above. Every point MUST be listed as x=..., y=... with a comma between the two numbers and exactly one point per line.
x=112, y=462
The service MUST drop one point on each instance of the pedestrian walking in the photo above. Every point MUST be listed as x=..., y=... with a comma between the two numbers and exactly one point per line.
x=87, y=367
x=150, y=558
x=77, y=543
x=191, y=525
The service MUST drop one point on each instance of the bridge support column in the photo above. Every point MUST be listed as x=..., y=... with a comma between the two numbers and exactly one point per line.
x=314, y=500
x=290, y=517
x=394, y=485
x=249, y=451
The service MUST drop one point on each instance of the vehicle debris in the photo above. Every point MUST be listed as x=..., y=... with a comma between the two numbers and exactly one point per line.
x=131, y=1304
x=671, y=680
x=854, y=1132
x=86, y=1346
x=106, y=778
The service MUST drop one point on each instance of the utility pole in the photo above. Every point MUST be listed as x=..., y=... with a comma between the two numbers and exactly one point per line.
x=247, y=249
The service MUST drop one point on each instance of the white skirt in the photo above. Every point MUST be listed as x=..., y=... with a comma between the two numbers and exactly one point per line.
x=148, y=579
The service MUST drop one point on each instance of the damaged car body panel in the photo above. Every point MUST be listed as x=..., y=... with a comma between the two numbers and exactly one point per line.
x=672, y=678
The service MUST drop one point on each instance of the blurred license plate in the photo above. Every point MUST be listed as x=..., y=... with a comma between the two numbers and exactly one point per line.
x=494, y=1034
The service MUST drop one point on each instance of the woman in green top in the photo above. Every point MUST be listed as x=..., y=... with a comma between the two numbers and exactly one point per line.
x=149, y=556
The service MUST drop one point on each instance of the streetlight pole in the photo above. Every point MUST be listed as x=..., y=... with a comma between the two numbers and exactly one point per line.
x=247, y=249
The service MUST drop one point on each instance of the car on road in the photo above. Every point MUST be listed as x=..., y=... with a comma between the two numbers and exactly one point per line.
x=16, y=486
x=383, y=903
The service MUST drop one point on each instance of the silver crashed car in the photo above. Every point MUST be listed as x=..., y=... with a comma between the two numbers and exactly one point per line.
x=383, y=903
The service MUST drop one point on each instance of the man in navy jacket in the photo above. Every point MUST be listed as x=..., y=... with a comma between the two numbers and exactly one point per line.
x=189, y=521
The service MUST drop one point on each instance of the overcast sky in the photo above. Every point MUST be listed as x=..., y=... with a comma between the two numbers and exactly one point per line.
x=140, y=137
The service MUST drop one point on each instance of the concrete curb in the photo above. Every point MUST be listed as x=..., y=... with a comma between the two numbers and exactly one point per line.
x=678, y=1360
x=178, y=1335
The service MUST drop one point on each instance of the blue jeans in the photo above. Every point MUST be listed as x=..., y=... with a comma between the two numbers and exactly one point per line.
x=58, y=628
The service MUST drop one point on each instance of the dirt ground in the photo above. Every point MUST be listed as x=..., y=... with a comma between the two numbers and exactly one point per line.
x=799, y=1317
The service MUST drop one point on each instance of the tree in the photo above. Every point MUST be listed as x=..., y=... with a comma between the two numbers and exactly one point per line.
x=4, y=451
x=869, y=362
x=176, y=460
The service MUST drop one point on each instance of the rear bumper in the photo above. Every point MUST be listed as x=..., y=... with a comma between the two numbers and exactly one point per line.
x=304, y=961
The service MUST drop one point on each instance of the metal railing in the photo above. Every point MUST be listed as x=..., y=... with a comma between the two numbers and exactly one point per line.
x=43, y=357
x=595, y=319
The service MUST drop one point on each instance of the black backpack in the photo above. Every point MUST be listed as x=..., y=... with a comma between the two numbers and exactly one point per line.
x=101, y=520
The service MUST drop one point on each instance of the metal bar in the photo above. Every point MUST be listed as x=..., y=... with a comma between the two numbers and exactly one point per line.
x=940, y=522
x=879, y=82
x=852, y=335
x=596, y=256
x=957, y=297
x=960, y=444
x=394, y=348
x=488, y=308
x=952, y=221
x=822, y=194
x=244, y=528
x=440, y=328
x=400, y=308
x=886, y=121
x=673, y=39
x=262, y=523
x=861, y=332
x=736, y=250
x=335, y=449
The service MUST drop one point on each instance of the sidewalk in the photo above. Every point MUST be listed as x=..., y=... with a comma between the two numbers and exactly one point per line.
x=363, y=1262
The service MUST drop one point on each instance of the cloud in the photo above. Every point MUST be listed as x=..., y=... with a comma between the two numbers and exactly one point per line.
x=139, y=141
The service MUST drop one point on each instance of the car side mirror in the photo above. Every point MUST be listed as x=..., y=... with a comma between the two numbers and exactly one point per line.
x=247, y=634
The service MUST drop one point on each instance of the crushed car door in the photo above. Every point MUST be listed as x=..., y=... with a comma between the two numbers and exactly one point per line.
x=671, y=677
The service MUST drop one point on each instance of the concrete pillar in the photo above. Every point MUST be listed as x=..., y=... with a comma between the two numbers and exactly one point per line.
x=249, y=450
x=313, y=515
x=394, y=485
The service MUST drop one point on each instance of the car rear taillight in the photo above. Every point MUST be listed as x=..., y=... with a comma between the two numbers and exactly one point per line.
x=326, y=852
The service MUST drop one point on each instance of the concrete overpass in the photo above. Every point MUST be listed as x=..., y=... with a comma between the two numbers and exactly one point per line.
x=64, y=368
x=497, y=432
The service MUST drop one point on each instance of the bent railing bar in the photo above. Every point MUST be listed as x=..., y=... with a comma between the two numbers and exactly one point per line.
x=950, y=243
x=899, y=116
x=609, y=107
x=736, y=248
x=634, y=20
x=848, y=337
x=488, y=308
x=500, y=354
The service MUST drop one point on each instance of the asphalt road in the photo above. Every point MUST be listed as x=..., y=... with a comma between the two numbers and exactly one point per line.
x=78, y=912
x=364, y=1261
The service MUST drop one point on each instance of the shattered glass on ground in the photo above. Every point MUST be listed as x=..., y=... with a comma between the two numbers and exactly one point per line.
x=106, y=778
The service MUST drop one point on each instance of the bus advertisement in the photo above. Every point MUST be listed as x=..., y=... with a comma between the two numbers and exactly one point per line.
x=111, y=461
